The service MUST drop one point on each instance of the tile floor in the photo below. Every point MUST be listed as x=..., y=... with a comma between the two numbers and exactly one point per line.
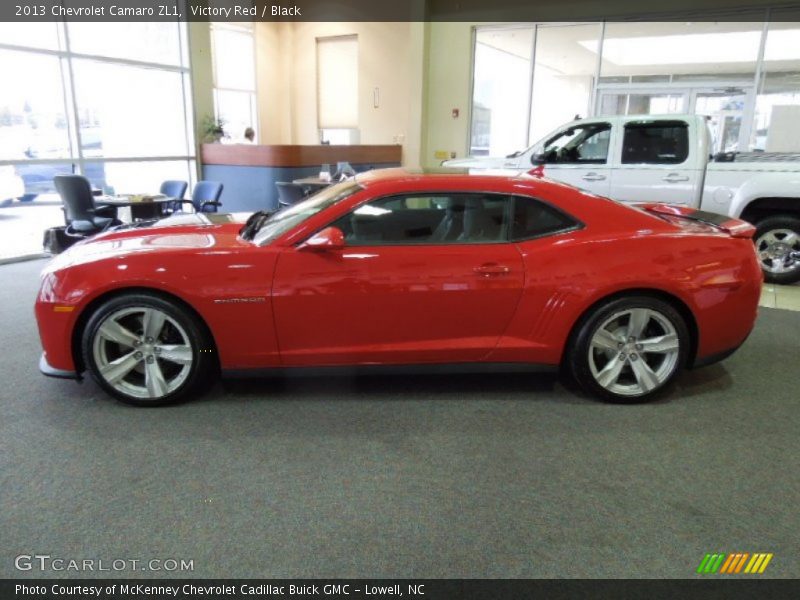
x=781, y=296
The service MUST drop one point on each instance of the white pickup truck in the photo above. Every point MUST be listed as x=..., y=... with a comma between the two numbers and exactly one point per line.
x=667, y=158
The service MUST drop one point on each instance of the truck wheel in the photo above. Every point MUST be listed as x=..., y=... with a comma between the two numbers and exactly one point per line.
x=778, y=245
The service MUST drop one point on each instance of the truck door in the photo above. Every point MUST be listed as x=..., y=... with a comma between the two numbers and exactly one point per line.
x=579, y=156
x=658, y=162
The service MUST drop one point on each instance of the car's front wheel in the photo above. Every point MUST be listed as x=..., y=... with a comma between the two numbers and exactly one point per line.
x=777, y=242
x=146, y=350
x=629, y=349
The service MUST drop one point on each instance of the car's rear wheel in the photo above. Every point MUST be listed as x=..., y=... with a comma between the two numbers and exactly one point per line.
x=777, y=242
x=146, y=350
x=629, y=349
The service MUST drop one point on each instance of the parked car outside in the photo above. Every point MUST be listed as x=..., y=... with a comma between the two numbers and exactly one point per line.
x=11, y=186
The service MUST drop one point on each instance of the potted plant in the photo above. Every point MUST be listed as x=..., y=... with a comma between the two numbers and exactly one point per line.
x=213, y=130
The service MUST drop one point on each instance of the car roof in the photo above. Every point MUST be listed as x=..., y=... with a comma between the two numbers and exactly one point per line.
x=456, y=179
x=445, y=175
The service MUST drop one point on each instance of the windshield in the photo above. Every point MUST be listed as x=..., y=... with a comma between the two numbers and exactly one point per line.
x=283, y=221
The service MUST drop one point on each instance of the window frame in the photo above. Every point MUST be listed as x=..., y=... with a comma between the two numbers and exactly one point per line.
x=508, y=215
x=252, y=93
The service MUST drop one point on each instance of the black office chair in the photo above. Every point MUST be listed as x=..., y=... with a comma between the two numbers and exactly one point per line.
x=205, y=197
x=289, y=193
x=83, y=217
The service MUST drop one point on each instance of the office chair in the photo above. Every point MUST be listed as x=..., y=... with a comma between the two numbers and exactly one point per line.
x=81, y=214
x=205, y=196
x=289, y=193
x=174, y=189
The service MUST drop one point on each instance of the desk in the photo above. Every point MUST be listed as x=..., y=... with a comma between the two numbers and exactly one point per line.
x=312, y=184
x=139, y=209
x=250, y=172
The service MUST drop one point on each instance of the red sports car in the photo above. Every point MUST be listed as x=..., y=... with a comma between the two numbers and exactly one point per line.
x=405, y=269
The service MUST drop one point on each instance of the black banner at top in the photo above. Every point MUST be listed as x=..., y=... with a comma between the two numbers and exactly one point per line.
x=403, y=10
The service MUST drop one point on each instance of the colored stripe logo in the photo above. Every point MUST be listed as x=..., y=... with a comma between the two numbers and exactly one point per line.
x=734, y=564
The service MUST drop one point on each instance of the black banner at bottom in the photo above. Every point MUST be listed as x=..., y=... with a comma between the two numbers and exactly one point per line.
x=412, y=589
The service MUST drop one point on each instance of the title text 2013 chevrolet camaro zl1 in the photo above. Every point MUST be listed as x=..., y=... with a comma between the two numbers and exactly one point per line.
x=405, y=269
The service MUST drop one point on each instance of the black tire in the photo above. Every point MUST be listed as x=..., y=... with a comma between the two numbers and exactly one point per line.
x=778, y=226
x=581, y=357
x=181, y=335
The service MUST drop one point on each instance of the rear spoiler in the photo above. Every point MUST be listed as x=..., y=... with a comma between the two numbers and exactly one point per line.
x=733, y=227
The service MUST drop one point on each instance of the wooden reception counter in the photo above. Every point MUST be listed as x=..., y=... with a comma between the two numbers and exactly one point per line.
x=249, y=172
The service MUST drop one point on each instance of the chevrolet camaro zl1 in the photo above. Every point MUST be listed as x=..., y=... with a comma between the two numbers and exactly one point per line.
x=405, y=269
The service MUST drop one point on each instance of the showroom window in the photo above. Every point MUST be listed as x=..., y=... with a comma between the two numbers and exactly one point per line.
x=776, y=125
x=501, y=91
x=705, y=68
x=744, y=76
x=428, y=219
x=235, y=78
x=337, y=89
x=100, y=103
x=563, y=77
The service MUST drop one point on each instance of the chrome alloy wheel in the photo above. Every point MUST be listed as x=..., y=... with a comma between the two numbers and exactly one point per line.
x=142, y=352
x=634, y=352
x=779, y=250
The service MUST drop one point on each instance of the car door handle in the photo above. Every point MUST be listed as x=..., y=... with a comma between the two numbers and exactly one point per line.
x=675, y=178
x=491, y=269
x=593, y=177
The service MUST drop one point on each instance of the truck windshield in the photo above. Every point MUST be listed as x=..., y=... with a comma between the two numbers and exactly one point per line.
x=281, y=222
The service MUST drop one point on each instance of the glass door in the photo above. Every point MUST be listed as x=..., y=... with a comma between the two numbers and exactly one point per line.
x=727, y=110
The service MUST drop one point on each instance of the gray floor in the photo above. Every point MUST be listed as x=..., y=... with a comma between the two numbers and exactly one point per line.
x=481, y=476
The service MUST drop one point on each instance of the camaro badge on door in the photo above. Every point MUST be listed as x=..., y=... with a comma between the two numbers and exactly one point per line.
x=239, y=300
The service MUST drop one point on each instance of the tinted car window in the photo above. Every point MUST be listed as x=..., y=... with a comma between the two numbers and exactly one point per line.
x=657, y=143
x=582, y=144
x=534, y=219
x=428, y=219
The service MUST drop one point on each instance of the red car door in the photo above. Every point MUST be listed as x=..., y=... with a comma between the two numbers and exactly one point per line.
x=394, y=301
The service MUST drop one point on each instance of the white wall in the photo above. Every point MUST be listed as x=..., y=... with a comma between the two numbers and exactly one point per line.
x=287, y=81
x=449, y=79
x=273, y=82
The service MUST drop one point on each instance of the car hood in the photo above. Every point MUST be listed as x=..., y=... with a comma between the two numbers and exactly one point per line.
x=210, y=232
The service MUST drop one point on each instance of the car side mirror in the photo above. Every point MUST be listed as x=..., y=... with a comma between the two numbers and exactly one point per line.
x=539, y=158
x=330, y=238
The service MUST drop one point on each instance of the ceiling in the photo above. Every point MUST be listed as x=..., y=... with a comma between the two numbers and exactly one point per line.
x=643, y=48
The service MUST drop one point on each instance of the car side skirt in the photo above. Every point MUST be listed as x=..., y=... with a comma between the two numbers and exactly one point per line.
x=714, y=358
x=416, y=369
